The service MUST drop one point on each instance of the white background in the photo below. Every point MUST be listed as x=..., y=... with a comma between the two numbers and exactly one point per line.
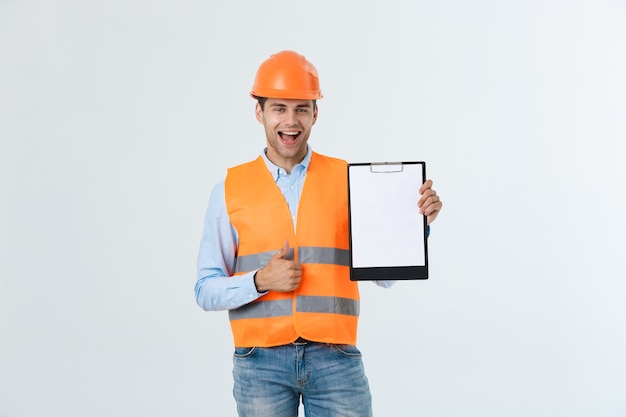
x=118, y=117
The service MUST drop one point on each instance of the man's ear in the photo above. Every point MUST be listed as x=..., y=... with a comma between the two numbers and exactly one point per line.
x=315, y=114
x=258, y=111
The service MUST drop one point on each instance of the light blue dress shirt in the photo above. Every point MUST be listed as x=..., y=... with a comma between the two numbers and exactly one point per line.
x=216, y=288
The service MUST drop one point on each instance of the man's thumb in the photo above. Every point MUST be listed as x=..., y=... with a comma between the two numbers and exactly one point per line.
x=282, y=252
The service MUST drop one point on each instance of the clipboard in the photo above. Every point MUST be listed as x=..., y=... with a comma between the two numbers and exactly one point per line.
x=388, y=235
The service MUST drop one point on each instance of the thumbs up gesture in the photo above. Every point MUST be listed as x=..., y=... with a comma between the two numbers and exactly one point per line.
x=279, y=274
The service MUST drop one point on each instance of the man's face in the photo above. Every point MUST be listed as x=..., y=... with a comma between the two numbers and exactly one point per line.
x=288, y=124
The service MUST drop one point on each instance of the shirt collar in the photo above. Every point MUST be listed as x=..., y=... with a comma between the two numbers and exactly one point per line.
x=277, y=171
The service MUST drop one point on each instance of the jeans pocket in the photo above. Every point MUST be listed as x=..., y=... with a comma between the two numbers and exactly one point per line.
x=244, y=352
x=347, y=350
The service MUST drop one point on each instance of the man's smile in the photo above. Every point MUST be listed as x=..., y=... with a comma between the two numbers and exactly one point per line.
x=288, y=136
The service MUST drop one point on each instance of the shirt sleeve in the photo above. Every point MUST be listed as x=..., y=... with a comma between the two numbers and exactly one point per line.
x=216, y=287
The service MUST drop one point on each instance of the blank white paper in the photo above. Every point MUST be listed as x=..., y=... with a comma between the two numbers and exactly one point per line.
x=386, y=227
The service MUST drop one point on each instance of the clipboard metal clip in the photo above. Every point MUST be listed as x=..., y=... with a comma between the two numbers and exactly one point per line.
x=386, y=167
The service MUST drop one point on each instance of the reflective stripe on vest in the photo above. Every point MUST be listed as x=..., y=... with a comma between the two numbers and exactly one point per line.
x=304, y=304
x=306, y=255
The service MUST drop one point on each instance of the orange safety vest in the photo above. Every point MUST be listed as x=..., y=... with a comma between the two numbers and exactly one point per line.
x=325, y=307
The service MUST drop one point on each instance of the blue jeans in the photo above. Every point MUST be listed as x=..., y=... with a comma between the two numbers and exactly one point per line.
x=330, y=379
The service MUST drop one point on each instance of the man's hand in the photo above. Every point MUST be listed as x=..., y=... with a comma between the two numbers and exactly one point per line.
x=429, y=204
x=279, y=274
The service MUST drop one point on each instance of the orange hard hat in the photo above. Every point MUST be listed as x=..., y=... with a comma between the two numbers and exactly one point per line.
x=287, y=74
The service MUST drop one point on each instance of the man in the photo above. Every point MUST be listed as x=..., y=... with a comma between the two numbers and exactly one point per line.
x=267, y=255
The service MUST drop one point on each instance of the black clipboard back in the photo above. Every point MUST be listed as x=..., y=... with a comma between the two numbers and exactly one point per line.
x=382, y=213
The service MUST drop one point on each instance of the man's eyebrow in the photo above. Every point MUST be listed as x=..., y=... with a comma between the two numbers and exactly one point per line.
x=303, y=105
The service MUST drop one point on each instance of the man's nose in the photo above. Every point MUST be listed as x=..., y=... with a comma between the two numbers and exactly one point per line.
x=290, y=117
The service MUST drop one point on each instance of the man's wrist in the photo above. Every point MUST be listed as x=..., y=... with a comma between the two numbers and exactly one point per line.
x=256, y=285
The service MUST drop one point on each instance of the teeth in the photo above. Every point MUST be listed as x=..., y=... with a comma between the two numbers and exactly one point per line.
x=290, y=133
